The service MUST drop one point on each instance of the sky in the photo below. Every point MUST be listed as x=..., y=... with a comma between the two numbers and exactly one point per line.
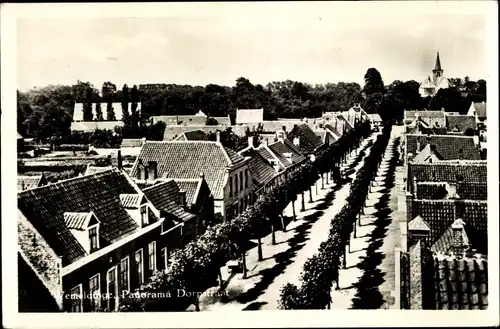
x=197, y=44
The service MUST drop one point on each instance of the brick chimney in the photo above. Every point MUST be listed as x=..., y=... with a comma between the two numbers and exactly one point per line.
x=217, y=136
x=250, y=141
x=418, y=145
x=153, y=170
x=182, y=198
x=141, y=170
x=120, y=162
x=459, y=245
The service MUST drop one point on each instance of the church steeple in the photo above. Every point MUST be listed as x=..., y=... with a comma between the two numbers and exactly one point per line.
x=437, y=69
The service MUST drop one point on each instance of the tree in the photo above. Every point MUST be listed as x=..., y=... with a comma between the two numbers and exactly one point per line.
x=373, y=82
x=98, y=111
x=134, y=97
x=87, y=106
x=108, y=93
x=124, y=102
x=210, y=121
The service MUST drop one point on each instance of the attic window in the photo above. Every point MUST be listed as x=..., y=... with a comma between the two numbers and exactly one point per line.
x=144, y=215
x=460, y=151
x=94, y=238
x=460, y=178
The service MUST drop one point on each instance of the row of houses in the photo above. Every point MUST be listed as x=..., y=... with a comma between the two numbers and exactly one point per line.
x=444, y=265
x=85, y=241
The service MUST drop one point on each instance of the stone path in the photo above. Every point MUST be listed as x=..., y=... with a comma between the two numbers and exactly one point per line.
x=282, y=262
x=368, y=282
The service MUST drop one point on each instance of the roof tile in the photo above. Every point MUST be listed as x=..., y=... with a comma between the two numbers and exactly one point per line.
x=188, y=159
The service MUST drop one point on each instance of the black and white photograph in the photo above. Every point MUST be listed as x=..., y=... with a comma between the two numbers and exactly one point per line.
x=226, y=157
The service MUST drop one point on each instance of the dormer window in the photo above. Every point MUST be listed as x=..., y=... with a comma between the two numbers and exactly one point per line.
x=94, y=238
x=144, y=215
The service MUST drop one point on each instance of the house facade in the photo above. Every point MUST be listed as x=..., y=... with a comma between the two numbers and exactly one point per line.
x=92, y=239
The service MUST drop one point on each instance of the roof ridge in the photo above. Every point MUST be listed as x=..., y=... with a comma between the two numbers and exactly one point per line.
x=100, y=173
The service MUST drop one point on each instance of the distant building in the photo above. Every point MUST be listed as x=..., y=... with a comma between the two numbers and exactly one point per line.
x=460, y=124
x=478, y=110
x=197, y=120
x=249, y=116
x=430, y=86
x=193, y=135
x=442, y=147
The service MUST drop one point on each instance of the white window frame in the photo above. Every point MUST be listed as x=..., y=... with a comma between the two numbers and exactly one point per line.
x=149, y=258
x=91, y=297
x=141, y=252
x=145, y=222
x=120, y=274
x=164, y=253
x=80, y=287
x=96, y=226
x=114, y=268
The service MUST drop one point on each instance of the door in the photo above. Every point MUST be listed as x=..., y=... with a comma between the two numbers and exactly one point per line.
x=112, y=289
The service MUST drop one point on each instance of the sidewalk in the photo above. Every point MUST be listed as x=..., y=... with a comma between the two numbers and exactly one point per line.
x=284, y=261
x=368, y=282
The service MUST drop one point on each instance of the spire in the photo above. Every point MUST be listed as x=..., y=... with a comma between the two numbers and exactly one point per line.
x=438, y=64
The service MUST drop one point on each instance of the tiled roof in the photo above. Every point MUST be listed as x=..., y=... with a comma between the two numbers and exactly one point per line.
x=90, y=126
x=440, y=190
x=270, y=126
x=188, y=160
x=427, y=154
x=280, y=149
x=132, y=142
x=192, y=188
x=308, y=140
x=171, y=132
x=77, y=220
x=94, y=169
x=444, y=245
x=180, y=120
x=260, y=169
x=448, y=147
x=473, y=190
x=429, y=117
x=460, y=283
x=100, y=193
x=460, y=122
x=194, y=135
x=131, y=201
x=440, y=214
x=165, y=197
x=29, y=182
x=474, y=172
x=431, y=190
x=249, y=115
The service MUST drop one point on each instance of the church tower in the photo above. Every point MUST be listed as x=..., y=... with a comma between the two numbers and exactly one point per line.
x=437, y=72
